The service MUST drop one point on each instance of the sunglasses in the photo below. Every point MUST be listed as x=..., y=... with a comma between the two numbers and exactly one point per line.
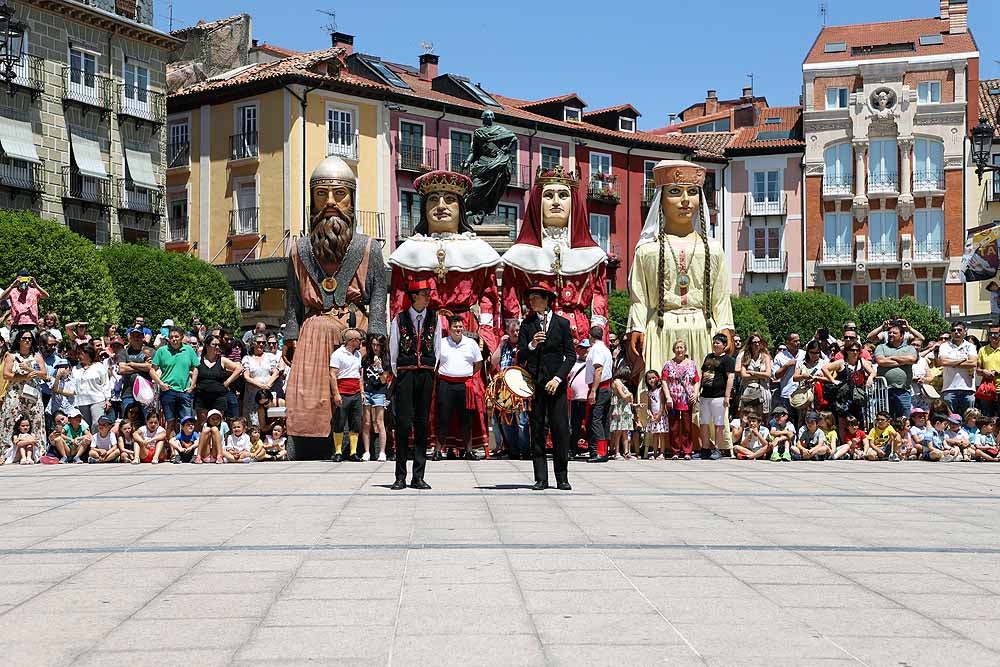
x=995, y=333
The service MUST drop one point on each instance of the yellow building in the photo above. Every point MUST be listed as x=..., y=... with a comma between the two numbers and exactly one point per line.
x=983, y=198
x=240, y=148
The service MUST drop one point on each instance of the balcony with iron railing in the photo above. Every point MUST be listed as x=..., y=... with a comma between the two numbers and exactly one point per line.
x=85, y=188
x=930, y=252
x=243, y=146
x=772, y=263
x=178, y=229
x=993, y=191
x=138, y=199
x=520, y=177
x=371, y=223
x=142, y=103
x=244, y=221
x=883, y=182
x=928, y=181
x=342, y=145
x=415, y=158
x=178, y=154
x=765, y=206
x=884, y=251
x=21, y=175
x=457, y=160
x=835, y=187
x=836, y=254
x=87, y=88
x=604, y=188
x=30, y=73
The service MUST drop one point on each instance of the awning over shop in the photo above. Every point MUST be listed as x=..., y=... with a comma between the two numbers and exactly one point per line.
x=140, y=168
x=256, y=274
x=17, y=139
x=87, y=153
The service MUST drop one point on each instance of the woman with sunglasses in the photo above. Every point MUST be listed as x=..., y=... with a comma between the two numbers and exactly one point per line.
x=23, y=370
x=810, y=368
x=753, y=367
x=853, y=371
x=213, y=378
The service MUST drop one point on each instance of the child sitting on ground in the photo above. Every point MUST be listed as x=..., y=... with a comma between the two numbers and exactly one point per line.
x=855, y=441
x=881, y=440
x=237, y=447
x=828, y=424
x=904, y=442
x=152, y=439
x=957, y=438
x=213, y=437
x=257, y=452
x=918, y=429
x=24, y=441
x=986, y=443
x=184, y=445
x=810, y=442
x=127, y=444
x=754, y=440
x=274, y=448
x=77, y=436
x=104, y=445
x=782, y=435
x=935, y=446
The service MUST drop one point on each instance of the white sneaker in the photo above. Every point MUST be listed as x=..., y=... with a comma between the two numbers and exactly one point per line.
x=381, y=456
x=366, y=457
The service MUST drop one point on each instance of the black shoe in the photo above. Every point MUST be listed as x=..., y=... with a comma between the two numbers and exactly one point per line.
x=354, y=458
x=540, y=486
x=398, y=485
x=390, y=457
x=599, y=459
x=472, y=456
x=337, y=458
x=564, y=486
x=419, y=484
x=436, y=457
x=452, y=455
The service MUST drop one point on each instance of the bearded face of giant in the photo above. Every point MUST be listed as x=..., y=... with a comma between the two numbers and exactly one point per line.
x=332, y=222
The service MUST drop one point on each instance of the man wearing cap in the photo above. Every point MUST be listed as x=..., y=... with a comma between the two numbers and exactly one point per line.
x=414, y=348
x=460, y=268
x=336, y=281
x=133, y=362
x=599, y=370
x=546, y=349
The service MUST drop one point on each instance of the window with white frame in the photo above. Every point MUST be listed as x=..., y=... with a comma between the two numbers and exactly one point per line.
x=883, y=157
x=82, y=74
x=883, y=236
x=245, y=211
x=461, y=147
x=996, y=178
x=626, y=124
x=928, y=165
x=572, y=114
x=245, y=139
x=883, y=288
x=649, y=185
x=838, y=169
x=178, y=144
x=766, y=196
x=837, y=247
x=409, y=212
x=600, y=230
x=177, y=218
x=136, y=88
x=765, y=252
x=600, y=163
x=837, y=98
x=930, y=291
x=411, y=146
x=551, y=157
x=340, y=133
x=928, y=241
x=929, y=92
x=842, y=288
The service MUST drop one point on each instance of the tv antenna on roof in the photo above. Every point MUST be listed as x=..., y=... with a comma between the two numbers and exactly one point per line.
x=428, y=47
x=824, y=11
x=331, y=26
x=750, y=76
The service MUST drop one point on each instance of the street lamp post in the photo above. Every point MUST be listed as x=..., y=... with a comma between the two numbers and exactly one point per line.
x=11, y=44
x=982, y=147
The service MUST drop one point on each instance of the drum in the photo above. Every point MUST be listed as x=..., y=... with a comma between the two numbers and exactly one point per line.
x=511, y=392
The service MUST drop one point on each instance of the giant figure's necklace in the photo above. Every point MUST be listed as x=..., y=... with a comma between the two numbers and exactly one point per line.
x=683, y=280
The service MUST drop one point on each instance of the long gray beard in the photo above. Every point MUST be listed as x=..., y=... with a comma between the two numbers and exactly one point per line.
x=330, y=237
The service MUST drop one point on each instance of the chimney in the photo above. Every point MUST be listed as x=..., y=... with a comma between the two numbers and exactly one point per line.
x=711, y=103
x=673, y=118
x=343, y=40
x=956, y=12
x=747, y=92
x=253, y=43
x=428, y=66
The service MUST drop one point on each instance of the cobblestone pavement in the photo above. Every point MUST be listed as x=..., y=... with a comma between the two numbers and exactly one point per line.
x=697, y=563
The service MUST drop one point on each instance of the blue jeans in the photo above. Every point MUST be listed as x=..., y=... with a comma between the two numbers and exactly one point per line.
x=900, y=401
x=176, y=404
x=127, y=401
x=515, y=434
x=960, y=400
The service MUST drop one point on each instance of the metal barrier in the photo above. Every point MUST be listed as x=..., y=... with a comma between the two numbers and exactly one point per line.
x=878, y=400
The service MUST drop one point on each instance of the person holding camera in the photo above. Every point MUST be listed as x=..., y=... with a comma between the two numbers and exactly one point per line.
x=24, y=294
x=880, y=334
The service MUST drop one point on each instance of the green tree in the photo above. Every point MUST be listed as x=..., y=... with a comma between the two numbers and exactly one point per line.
x=748, y=319
x=66, y=265
x=801, y=312
x=926, y=320
x=161, y=285
x=618, y=302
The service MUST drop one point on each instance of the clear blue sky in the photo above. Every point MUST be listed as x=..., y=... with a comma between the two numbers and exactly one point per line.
x=659, y=55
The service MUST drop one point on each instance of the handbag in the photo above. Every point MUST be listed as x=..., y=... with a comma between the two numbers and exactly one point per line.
x=803, y=395
x=986, y=391
x=143, y=391
x=753, y=393
x=30, y=393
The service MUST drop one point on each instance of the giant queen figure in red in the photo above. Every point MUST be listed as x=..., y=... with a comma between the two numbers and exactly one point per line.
x=555, y=246
x=459, y=267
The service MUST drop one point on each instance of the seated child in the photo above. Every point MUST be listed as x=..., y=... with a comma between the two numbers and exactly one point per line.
x=935, y=446
x=903, y=442
x=23, y=442
x=274, y=449
x=127, y=444
x=986, y=442
x=104, y=445
x=237, y=447
x=213, y=437
x=881, y=439
x=77, y=436
x=184, y=445
x=754, y=441
x=918, y=428
x=810, y=442
x=957, y=437
x=256, y=444
x=152, y=440
x=855, y=441
x=782, y=435
x=828, y=424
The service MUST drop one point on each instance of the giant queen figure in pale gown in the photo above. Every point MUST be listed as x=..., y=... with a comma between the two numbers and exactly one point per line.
x=679, y=282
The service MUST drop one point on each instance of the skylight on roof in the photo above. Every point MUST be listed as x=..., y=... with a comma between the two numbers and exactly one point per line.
x=383, y=72
x=774, y=135
x=773, y=120
x=835, y=47
x=994, y=91
x=931, y=40
x=478, y=93
x=873, y=49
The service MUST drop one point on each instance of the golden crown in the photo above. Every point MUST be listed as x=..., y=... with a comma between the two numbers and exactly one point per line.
x=443, y=181
x=678, y=172
x=557, y=176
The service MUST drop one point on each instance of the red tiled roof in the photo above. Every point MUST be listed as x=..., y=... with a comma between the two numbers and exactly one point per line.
x=989, y=105
x=694, y=122
x=791, y=120
x=279, y=51
x=615, y=109
x=549, y=100
x=890, y=32
x=202, y=25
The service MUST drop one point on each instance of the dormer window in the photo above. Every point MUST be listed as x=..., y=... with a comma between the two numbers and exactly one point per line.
x=626, y=124
x=572, y=114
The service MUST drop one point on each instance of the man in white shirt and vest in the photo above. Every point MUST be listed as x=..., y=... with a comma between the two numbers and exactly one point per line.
x=414, y=348
x=345, y=388
x=599, y=369
x=460, y=390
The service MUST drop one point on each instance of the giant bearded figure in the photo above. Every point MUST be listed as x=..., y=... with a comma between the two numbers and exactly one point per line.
x=679, y=282
x=555, y=246
x=336, y=280
x=459, y=267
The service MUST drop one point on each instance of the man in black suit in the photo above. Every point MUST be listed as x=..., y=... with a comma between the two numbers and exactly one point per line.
x=547, y=350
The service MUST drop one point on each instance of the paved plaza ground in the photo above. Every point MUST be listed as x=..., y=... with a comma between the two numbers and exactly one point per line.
x=696, y=563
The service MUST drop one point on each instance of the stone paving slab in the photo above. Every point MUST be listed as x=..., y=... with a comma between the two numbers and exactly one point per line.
x=644, y=563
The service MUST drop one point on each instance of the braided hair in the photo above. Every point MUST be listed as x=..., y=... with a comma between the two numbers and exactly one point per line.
x=661, y=268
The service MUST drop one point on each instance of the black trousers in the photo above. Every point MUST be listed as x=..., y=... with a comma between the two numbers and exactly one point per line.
x=348, y=415
x=577, y=423
x=599, y=415
x=450, y=401
x=548, y=413
x=414, y=390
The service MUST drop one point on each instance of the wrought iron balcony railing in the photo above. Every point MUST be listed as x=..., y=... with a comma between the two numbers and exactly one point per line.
x=371, y=223
x=21, y=175
x=142, y=103
x=936, y=250
x=928, y=181
x=132, y=197
x=345, y=146
x=765, y=205
x=30, y=73
x=178, y=154
x=604, y=188
x=86, y=188
x=415, y=158
x=834, y=185
x=883, y=182
x=836, y=254
x=520, y=177
x=178, y=229
x=777, y=263
x=883, y=252
x=88, y=88
x=405, y=224
x=243, y=146
x=244, y=221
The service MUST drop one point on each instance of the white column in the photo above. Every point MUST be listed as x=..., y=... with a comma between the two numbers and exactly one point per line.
x=905, y=206
x=860, y=203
